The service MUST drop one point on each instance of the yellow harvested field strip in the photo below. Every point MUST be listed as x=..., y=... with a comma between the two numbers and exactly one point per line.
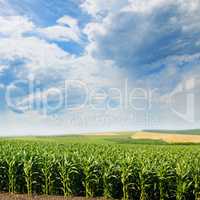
x=170, y=138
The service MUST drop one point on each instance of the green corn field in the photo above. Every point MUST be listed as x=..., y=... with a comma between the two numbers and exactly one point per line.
x=138, y=172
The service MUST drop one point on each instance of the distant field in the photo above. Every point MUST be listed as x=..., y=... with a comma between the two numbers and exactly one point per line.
x=150, y=137
x=187, y=132
x=91, y=138
x=168, y=137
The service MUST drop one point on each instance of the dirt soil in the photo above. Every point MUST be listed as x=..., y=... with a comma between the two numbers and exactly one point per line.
x=26, y=197
x=170, y=138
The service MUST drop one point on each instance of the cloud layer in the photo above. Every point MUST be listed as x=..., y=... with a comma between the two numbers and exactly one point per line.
x=143, y=36
x=153, y=44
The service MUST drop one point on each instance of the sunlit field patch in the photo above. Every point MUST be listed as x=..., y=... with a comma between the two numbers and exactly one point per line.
x=170, y=138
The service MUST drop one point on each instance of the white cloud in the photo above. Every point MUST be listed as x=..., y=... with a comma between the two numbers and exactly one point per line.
x=15, y=25
x=36, y=52
x=40, y=56
x=50, y=64
x=93, y=29
x=100, y=8
x=66, y=30
x=144, y=6
x=142, y=36
x=2, y=68
x=67, y=20
x=6, y=8
x=120, y=35
x=60, y=33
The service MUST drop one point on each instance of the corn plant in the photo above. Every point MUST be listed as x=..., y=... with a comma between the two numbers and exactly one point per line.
x=184, y=180
x=66, y=170
x=129, y=178
x=47, y=164
x=11, y=162
x=92, y=177
x=28, y=165
x=196, y=175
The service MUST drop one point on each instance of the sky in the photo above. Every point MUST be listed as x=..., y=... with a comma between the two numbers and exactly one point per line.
x=71, y=66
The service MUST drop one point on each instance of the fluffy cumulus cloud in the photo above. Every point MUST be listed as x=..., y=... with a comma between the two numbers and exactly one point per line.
x=154, y=41
x=14, y=25
x=66, y=29
x=36, y=52
x=32, y=51
x=101, y=8
x=147, y=37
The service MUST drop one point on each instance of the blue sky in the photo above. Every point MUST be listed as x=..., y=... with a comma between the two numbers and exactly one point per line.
x=103, y=47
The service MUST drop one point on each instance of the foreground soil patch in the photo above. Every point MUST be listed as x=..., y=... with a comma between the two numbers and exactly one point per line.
x=26, y=197
x=170, y=138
